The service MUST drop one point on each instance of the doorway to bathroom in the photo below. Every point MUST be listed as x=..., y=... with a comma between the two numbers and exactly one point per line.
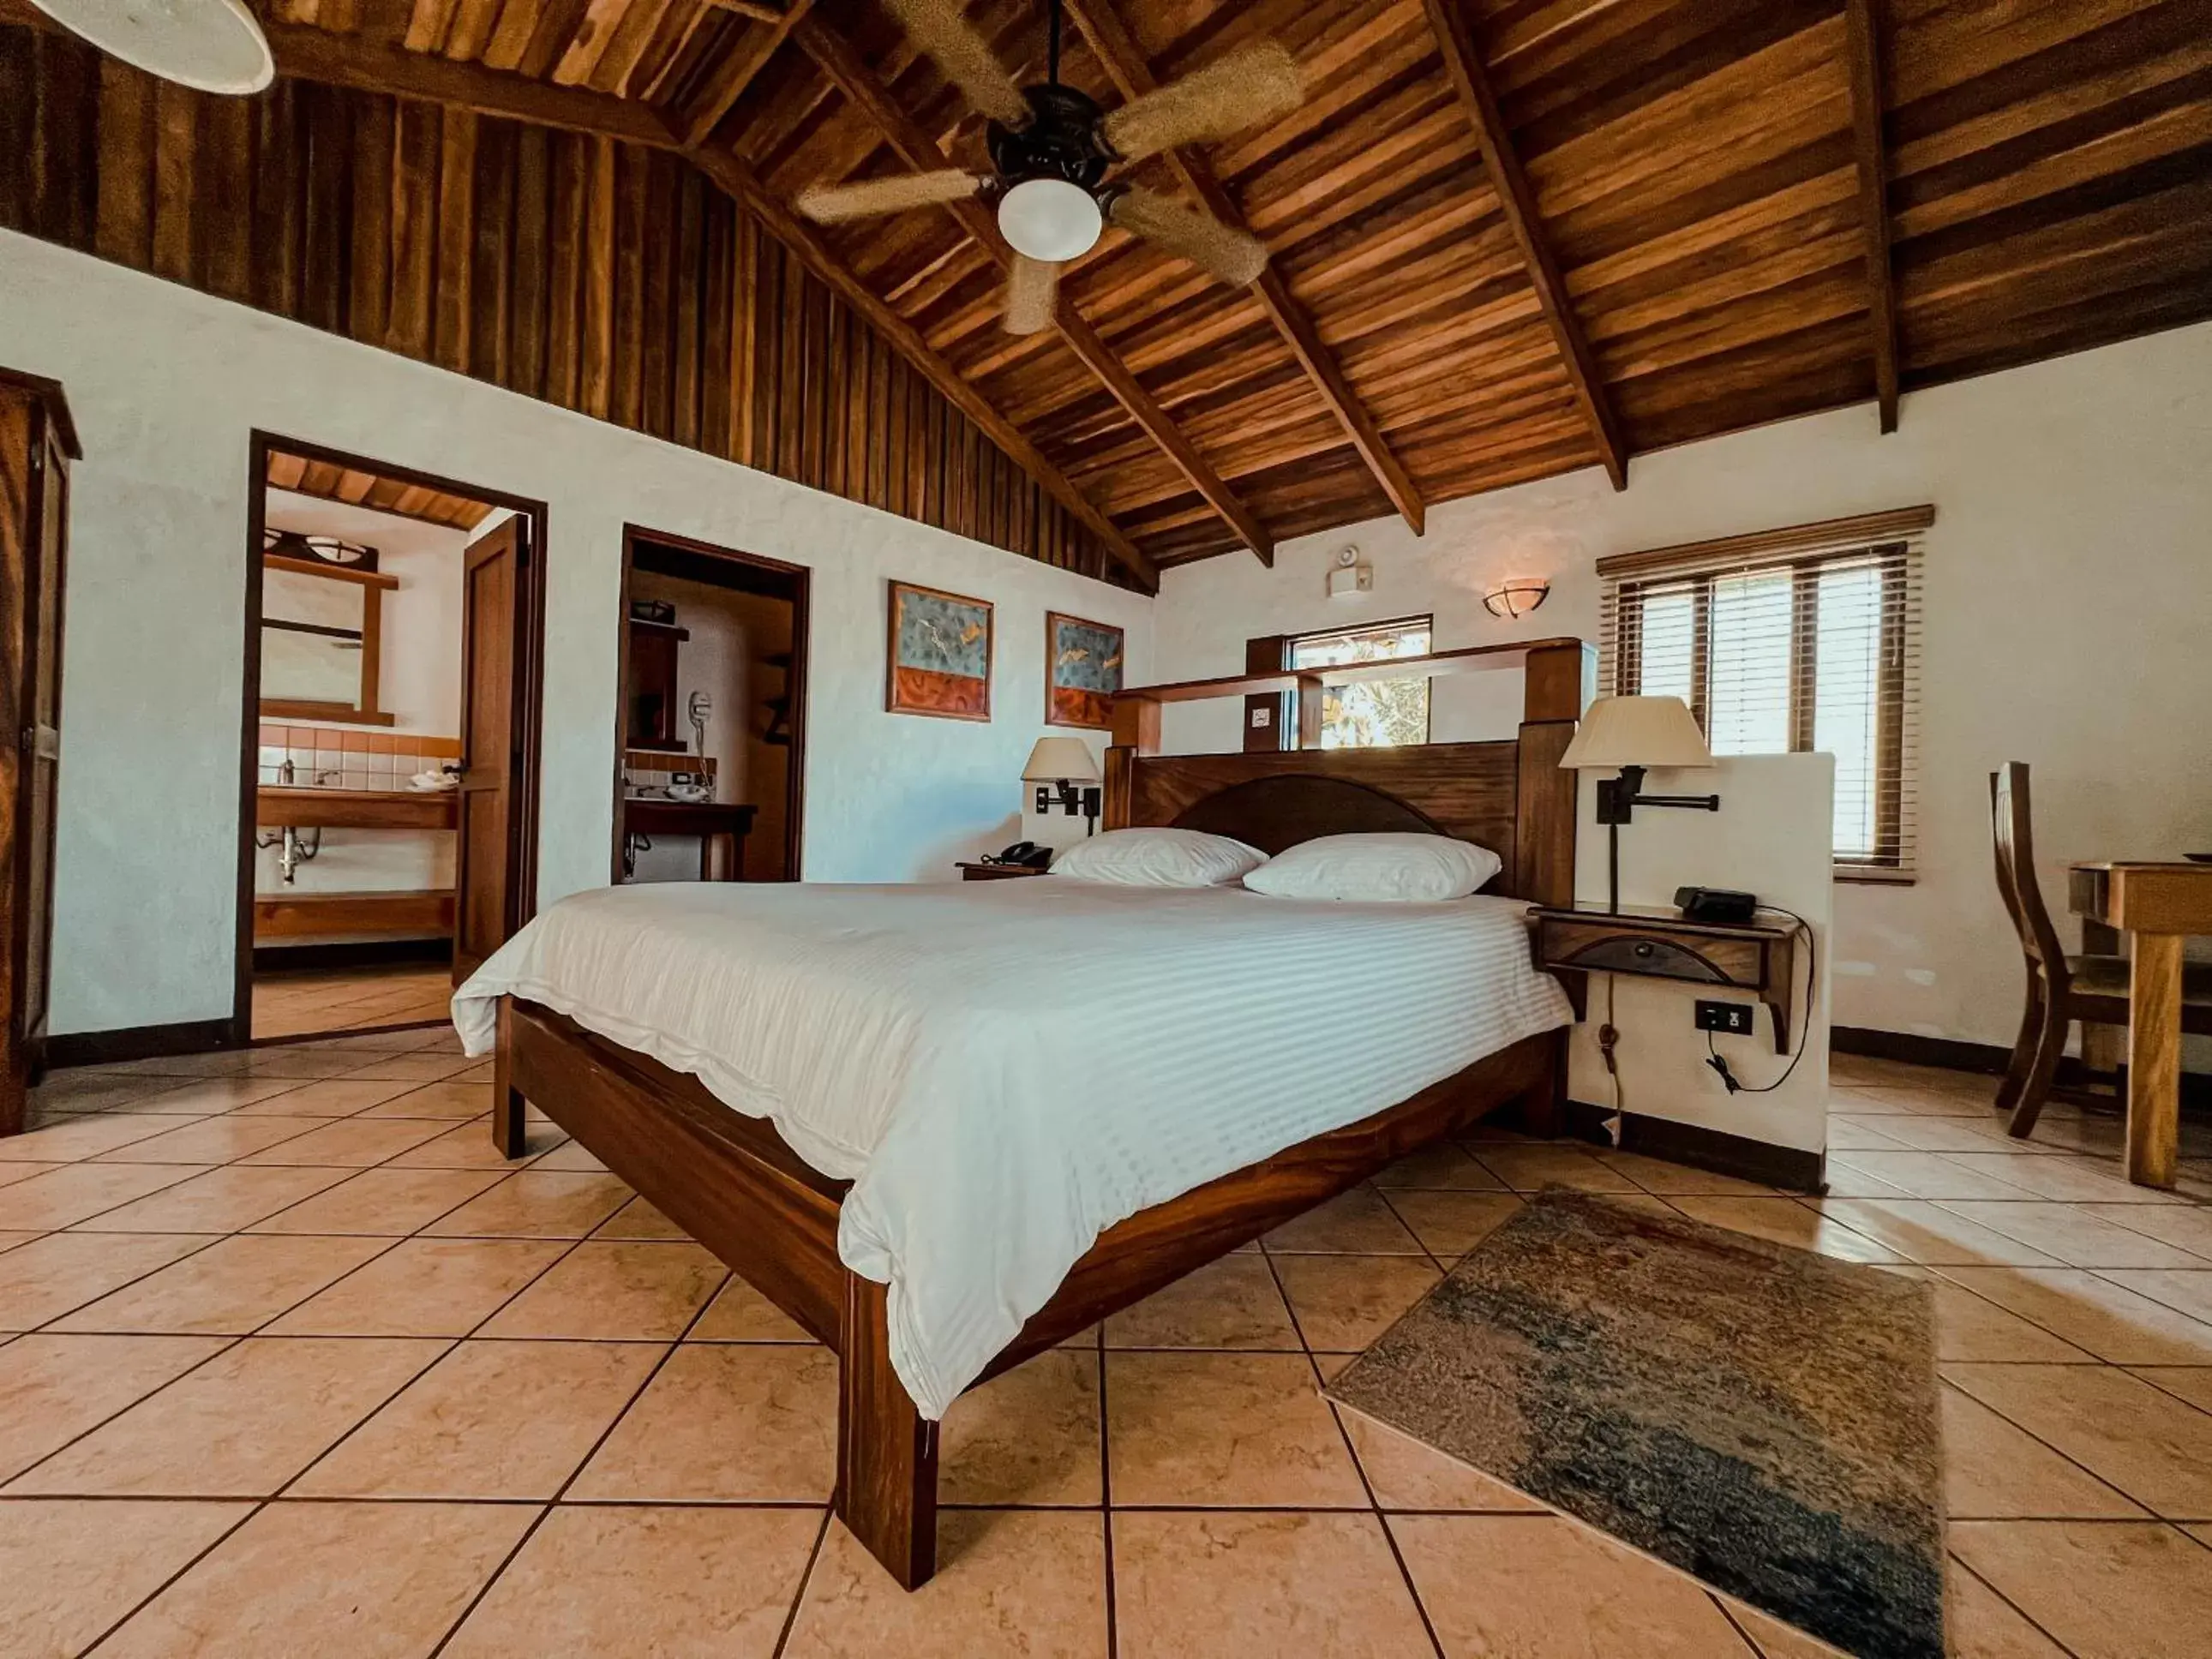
x=711, y=737
x=393, y=646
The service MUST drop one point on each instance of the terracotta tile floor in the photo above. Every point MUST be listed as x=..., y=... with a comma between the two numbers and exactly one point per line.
x=293, y=1002
x=289, y=1364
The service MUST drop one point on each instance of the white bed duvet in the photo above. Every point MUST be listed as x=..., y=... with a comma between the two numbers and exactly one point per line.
x=1004, y=1070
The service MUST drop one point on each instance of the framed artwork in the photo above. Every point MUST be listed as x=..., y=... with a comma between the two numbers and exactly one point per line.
x=1082, y=671
x=939, y=655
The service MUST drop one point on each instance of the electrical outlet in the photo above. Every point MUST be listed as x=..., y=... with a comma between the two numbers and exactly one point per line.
x=1729, y=1018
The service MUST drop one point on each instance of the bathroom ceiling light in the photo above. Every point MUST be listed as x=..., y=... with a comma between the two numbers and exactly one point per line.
x=1516, y=596
x=1050, y=219
x=210, y=45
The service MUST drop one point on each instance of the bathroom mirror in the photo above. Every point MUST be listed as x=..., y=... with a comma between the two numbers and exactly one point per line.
x=321, y=641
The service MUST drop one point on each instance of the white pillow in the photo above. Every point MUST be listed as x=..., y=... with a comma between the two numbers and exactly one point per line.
x=1158, y=858
x=1391, y=868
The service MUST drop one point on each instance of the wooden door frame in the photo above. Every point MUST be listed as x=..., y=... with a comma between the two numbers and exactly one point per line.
x=530, y=646
x=794, y=819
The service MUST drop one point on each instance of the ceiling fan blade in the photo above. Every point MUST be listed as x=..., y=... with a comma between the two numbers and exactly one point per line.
x=1235, y=257
x=1242, y=90
x=832, y=204
x=940, y=28
x=1032, y=295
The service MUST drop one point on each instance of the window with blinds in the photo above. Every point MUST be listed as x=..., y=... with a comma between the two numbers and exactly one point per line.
x=1793, y=640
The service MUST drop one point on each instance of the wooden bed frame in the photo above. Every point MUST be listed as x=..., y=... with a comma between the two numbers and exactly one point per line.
x=732, y=1183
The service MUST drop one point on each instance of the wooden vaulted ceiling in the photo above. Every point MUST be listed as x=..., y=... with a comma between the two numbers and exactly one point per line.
x=1509, y=238
x=327, y=481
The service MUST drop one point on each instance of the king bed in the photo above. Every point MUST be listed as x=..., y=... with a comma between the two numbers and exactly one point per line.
x=947, y=1128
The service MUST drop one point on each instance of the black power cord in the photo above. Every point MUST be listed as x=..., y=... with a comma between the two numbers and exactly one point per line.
x=1713, y=1059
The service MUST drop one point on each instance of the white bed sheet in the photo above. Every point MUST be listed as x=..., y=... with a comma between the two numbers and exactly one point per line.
x=1004, y=1070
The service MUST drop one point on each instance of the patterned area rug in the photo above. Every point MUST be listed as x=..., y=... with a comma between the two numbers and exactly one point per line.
x=1758, y=1416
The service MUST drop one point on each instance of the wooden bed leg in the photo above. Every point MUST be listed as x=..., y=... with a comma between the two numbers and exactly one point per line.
x=886, y=1451
x=1542, y=1108
x=509, y=1128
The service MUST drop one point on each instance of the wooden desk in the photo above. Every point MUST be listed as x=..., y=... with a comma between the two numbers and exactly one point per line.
x=2160, y=905
x=711, y=821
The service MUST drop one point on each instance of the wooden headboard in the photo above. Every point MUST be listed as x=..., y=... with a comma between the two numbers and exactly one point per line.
x=1509, y=796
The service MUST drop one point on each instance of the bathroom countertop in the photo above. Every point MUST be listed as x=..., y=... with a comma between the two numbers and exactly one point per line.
x=304, y=808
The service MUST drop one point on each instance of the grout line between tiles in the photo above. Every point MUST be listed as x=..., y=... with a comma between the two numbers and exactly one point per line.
x=589, y=1452
x=1106, y=1498
x=1351, y=1452
x=1958, y=1562
x=799, y=1596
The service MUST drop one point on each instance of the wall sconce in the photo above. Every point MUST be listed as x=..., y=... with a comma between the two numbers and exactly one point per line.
x=1057, y=766
x=1633, y=733
x=1516, y=596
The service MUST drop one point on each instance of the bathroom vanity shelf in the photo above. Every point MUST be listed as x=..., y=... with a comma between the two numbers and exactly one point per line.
x=276, y=807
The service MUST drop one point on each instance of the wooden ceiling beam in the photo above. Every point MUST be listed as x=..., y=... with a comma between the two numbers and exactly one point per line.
x=305, y=54
x=1862, y=35
x=843, y=66
x=749, y=58
x=1517, y=196
x=1123, y=59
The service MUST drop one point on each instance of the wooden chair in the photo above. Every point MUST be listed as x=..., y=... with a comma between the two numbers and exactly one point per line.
x=2061, y=988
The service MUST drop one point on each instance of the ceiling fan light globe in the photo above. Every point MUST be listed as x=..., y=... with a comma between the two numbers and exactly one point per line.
x=1050, y=219
x=210, y=45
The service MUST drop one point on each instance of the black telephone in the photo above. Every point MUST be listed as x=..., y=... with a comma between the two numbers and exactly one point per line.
x=1714, y=904
x=1024, y=853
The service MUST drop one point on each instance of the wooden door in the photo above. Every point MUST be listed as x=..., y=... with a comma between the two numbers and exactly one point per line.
x=33, y=523
x=489, y=821
x=42, y=680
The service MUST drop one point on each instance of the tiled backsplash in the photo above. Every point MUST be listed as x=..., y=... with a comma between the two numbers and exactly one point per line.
x=339, y=757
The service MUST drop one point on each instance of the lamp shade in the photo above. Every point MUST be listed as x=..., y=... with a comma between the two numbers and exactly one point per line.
x=1057, y=760
x=1637, y=731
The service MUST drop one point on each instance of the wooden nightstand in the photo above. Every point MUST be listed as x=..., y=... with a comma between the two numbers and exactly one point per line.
x=994, y=872
x=1758, y=958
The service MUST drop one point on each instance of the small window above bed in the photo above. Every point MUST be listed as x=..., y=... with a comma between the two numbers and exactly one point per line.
x=1374, y=713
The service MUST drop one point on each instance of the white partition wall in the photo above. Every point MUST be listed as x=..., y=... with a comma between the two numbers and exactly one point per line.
x=1771, y=838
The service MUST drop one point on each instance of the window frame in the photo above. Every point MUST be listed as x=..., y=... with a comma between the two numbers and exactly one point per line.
x=1387, y=624
x=1892, y=555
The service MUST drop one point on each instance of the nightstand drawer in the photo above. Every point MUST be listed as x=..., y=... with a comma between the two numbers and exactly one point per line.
x=1607, y=947
x=1758, y=957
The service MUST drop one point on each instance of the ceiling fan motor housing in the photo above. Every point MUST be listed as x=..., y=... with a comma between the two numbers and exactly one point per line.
x=1061, y=141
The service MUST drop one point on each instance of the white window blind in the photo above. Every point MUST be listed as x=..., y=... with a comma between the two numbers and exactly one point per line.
x=1806, y=639
x=1374, y=713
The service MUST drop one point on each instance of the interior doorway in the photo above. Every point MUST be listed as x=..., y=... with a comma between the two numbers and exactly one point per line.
x=711, y=737
x=394, y=629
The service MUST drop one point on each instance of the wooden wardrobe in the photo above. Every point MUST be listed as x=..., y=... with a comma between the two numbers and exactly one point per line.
x=37, y=443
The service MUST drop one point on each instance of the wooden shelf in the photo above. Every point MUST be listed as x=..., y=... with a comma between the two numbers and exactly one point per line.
x=400, y=912
x=1756, y=958
x=1469, y=659
x=336, y=573
x=302, y=808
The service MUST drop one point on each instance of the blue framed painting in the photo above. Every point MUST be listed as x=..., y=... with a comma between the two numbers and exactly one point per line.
x=939, y=655
x=1082, y=671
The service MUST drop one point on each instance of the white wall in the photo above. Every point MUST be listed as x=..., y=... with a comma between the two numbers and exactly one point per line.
x=2068, y=623
x=166, y=384
x=1772, y=836
x=419, y=669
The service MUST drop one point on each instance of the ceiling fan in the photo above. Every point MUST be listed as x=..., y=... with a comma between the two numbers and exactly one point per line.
x=1052, y=148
